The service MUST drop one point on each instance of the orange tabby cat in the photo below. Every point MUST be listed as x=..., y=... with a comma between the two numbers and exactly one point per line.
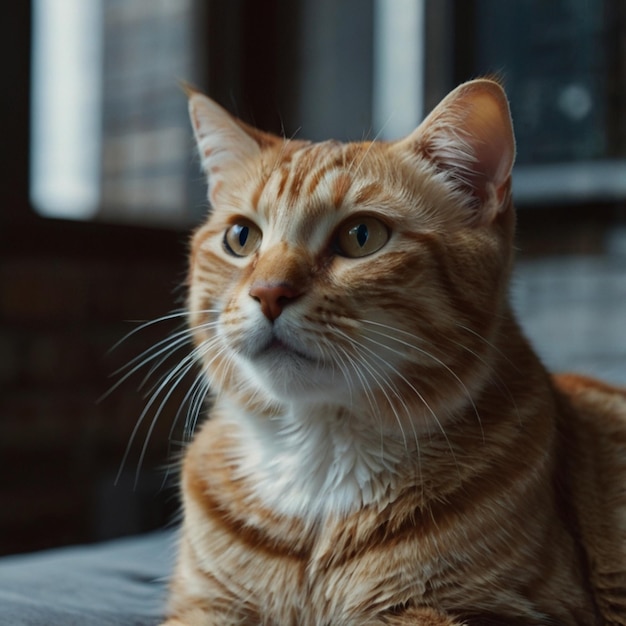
x=383, y=446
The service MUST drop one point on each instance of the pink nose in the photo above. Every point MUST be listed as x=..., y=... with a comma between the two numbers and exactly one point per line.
x=273, y=298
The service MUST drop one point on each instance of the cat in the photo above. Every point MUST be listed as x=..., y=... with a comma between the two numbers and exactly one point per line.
x=383, y=445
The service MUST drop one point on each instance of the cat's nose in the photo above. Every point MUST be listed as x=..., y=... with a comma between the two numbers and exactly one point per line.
x=273, y=297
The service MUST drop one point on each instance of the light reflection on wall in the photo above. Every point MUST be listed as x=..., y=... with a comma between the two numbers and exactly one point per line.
x=111, y=138
x=66, y=109
x=398, y=98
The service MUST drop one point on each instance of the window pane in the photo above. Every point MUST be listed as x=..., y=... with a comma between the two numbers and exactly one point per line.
x=564, y=75
x=67, y=51
x=111, y=136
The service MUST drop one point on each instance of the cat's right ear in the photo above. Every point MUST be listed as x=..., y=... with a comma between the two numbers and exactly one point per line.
x=469, y=136
x=223, y=141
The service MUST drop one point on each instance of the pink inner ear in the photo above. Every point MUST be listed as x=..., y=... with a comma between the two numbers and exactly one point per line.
x=470, y=134
x=221, y=140
x=490, y=135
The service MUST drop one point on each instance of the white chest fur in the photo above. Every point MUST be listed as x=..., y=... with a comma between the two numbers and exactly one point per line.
x=315, y=461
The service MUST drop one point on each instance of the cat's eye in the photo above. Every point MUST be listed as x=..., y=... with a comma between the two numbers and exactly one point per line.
x=361, y=236
x=242, y=238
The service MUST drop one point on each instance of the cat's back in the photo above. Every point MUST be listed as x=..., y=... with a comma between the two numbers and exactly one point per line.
x=595, y=454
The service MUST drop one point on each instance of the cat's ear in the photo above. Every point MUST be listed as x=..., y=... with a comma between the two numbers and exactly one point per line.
x=470, y=136
x=224, y=142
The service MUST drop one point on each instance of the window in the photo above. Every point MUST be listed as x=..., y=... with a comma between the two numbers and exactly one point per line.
x=110, y=130
x=111, y=138
x=566, y=80
x=67, y=57
x=398, y=98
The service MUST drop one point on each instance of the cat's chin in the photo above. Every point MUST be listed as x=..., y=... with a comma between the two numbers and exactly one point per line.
x=288, y=373
x=277, y=349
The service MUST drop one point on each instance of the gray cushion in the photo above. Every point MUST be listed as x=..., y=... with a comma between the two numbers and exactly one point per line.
x=118, y=582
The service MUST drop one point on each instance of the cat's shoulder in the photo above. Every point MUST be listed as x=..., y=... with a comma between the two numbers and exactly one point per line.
x=593, y=420
x=595, y=402
x=595, y=459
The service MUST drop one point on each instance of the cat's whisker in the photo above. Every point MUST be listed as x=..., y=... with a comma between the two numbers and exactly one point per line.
x=419, y=395
x=428, y=355
x=369, y=394
x=164, y=357
x=166, y=347
x=155, y=349
x=202, y=384
x=488, y=343
x=353, y=366
x=178, y=377
x=196, y=405
x=384, y=383
x=175, y=376
x=494, y=375
x=457, y=379
x=364, y=383
x=180, y=313
x=498, y=379
x=193, y=399
x=345, y=369
x=184, y=341
x=404, y=405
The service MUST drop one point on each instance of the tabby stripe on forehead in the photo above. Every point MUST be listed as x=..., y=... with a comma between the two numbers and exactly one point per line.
x=318, y=176
x=341, y=186
x=262, y=184
x=313, y=165
x=299, y=174
x=337, y=161
x=367, y=193
x=284, y=177
x=256, y=194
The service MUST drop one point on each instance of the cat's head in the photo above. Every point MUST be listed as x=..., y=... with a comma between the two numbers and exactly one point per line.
x=360, y=274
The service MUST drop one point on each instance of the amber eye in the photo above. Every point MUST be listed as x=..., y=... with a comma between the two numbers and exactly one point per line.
x=361, y=236
x=242, y=238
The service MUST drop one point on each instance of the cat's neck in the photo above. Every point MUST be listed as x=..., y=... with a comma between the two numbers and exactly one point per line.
x=316, y=461
x=313, y=460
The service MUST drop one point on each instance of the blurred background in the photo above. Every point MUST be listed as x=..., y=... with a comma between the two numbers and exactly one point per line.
x=101, y=189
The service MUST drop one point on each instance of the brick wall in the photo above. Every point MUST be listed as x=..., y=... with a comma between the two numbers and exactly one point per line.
x=64, y=299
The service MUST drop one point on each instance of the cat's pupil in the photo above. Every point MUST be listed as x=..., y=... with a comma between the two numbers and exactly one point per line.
x=244, y=231
x=361, y=233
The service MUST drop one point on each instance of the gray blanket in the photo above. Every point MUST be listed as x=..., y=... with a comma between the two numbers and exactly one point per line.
x=108, y=584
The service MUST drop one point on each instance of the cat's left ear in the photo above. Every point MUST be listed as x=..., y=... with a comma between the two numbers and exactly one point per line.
x=470, y=136
x=224, y=142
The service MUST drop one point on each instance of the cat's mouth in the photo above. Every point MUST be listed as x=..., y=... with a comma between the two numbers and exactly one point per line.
x=289, y=369
x=277, y=348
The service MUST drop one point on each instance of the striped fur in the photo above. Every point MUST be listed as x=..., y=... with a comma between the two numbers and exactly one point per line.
x=383, y=446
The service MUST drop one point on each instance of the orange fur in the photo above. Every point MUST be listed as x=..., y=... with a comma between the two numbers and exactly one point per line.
x=384, y=447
